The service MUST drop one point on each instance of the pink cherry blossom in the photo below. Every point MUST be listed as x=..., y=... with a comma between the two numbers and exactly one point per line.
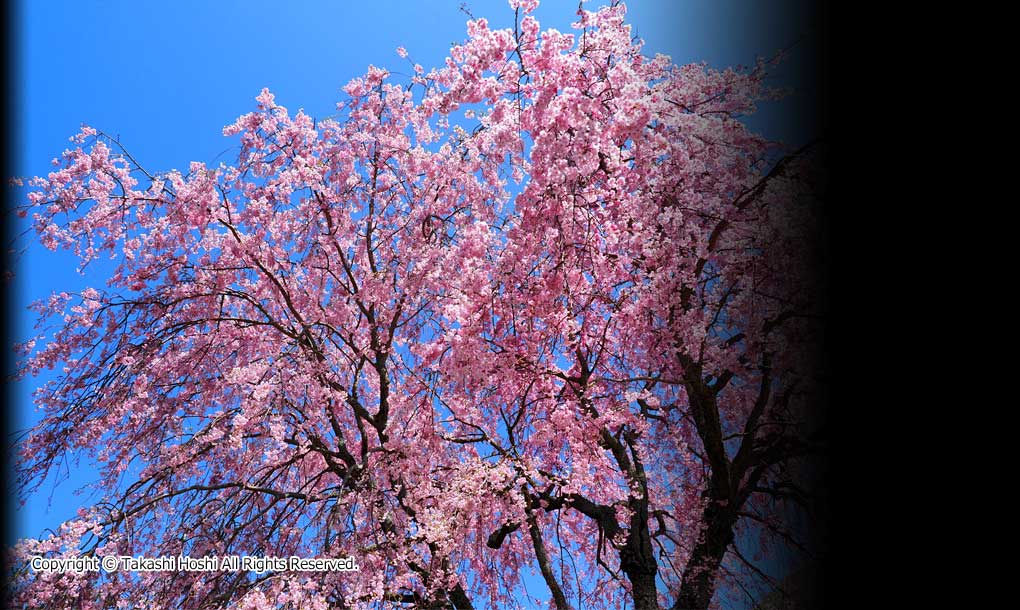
x=570, y=335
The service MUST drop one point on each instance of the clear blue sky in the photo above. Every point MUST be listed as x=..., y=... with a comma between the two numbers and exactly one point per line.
x=166, y=77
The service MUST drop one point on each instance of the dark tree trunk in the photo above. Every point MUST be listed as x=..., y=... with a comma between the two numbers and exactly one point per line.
x=698, y=584
x=637, y=559
x=643, y=588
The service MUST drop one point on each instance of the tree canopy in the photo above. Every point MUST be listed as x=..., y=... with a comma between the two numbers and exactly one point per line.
x=550, y=305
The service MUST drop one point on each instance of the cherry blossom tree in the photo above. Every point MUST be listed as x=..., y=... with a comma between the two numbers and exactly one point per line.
x=545, y=307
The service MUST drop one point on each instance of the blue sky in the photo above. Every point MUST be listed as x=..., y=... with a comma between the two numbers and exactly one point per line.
x=166, y=77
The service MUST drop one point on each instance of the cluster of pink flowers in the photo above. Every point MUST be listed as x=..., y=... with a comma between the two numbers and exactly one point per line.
x=357, y=340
